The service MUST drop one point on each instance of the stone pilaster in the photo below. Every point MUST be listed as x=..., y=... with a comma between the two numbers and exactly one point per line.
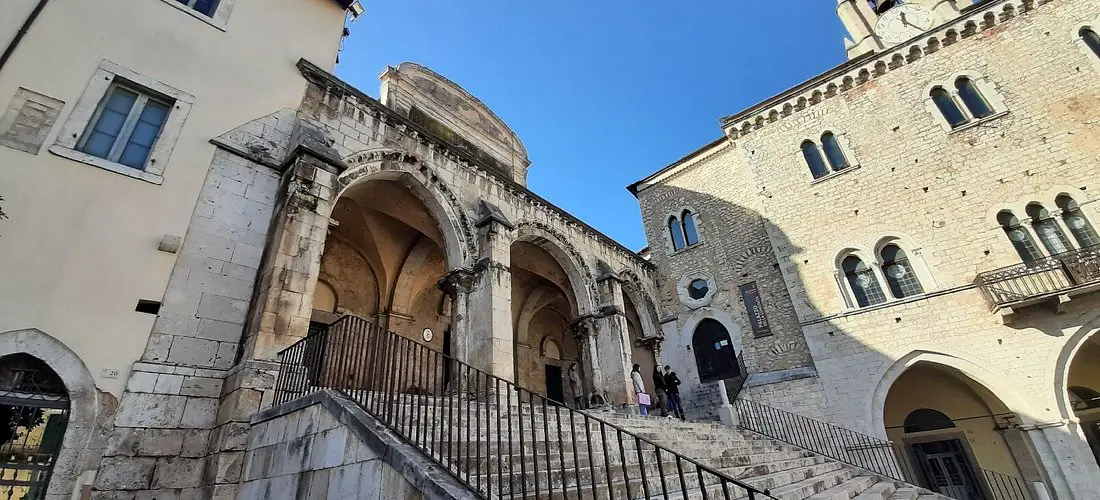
x=1066, y=459
x=489, y=341
x=613, y=348
x=281, y=310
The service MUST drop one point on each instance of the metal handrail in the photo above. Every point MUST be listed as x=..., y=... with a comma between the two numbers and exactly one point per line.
x=467, y=420
x=1045, y=276
x=848, y=446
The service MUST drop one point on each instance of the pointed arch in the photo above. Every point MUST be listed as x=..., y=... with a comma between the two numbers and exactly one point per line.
x=994, y=383
x=567, y=256
x=401, y=167
x=410, y=281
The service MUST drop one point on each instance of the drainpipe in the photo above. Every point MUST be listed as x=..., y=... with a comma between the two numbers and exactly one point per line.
x=22, y=31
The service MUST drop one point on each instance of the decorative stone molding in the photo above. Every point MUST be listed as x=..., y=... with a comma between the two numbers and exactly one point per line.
x=685, y=282
x=862, y=70
x=373, y=162
x=576, y=258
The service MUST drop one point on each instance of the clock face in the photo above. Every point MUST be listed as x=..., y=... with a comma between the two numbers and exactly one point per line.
x=903, y=22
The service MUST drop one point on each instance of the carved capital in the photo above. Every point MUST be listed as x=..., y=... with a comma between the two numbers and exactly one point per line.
x=459, y=280
x=584, y=327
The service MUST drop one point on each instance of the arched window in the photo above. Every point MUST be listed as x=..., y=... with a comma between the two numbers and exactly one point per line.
x=677, y=233
x=946, y=104
x=903, y=282
x=833, y=152
x=35, y=413
x=972, y=98
x=1092, y=41
x=715, y=355
x=814, y=160
x=925, y=419
x=863, y=281
x=1047, y=228
x=1019, y=236
x=1078, y=225
x=550, y=348
x=691, y=233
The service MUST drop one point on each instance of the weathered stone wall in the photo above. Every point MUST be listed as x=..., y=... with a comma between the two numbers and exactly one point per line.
x=935, y=190
x=325, y=449
x=734, y=250
x=170, y=409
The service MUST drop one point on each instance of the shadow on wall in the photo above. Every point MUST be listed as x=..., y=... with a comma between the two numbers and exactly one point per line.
x=894, y=359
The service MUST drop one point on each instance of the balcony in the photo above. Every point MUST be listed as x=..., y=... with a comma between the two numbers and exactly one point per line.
x=1052, y=279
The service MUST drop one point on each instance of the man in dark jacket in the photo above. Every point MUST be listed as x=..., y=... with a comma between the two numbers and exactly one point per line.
x=659, y=391
x=672, y=388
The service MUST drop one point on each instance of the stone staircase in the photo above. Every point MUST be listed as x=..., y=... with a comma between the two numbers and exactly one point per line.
x=561, y=456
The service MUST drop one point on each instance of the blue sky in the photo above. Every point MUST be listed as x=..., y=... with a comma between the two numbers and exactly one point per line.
x=602, y=92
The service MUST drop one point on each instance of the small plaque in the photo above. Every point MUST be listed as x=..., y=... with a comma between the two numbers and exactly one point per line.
x=428, y=335
x=109, y=373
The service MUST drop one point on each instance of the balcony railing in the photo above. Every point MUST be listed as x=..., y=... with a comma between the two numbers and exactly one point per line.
x=1041, y=279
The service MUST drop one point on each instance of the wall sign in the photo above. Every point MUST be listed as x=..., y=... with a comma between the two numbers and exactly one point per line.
x=755, y=307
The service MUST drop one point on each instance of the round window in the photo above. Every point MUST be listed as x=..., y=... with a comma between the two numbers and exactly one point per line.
x=698, y=289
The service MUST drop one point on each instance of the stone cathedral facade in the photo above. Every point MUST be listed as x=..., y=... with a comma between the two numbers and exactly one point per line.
x=906, y=245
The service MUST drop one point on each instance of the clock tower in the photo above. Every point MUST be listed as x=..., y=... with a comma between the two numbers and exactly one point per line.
x=880, y=24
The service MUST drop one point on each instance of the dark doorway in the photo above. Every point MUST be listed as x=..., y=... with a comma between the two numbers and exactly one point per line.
x=1092, y=434
x=948, y=469
x=555, y=389
x=714, y=353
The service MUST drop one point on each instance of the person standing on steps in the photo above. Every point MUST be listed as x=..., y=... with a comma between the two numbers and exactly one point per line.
x=659, y=391
x=639, y=389
x=672, y=388
x=575, y=386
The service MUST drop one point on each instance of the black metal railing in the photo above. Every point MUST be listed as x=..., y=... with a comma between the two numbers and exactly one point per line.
x=867, y=452
x=826, y=439
x=500, y=440
x=735, y=385
x=1005, y=487
x=1039, y=278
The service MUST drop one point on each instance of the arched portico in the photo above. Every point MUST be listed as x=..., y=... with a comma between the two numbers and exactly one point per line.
x=83, y=402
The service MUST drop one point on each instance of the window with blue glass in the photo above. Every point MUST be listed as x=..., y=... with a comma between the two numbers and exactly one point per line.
x=126, y=126
x=948, y=108
x=833, y=152
x=1092, y=41
x=814, y=160
x=973, y=99
x=204, y=7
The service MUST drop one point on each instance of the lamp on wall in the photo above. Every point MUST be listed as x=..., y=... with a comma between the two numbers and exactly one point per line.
x=356, y=9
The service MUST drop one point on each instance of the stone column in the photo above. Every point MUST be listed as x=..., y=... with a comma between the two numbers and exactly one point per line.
x=614, y=352
x=1066, y=459
x=584, y=330
x=489, y=344
x=457, y=285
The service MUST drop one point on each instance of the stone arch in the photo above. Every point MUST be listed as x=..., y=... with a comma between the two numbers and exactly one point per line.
x=643, y=303
x=982, y=376
x=1065, y=360
x=698, y=315
x=567, y=256
x=83, y=400
x=406, y=169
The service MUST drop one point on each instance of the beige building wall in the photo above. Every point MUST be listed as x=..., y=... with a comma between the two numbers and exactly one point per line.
x=80, y=247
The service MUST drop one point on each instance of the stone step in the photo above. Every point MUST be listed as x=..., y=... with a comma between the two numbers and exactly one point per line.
x=879, y=491
x=905, y=494
x=846, y=490
x=811, y=484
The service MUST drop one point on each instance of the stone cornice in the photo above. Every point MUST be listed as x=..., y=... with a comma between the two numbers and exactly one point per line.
x=403, y=125
x=865, y=68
